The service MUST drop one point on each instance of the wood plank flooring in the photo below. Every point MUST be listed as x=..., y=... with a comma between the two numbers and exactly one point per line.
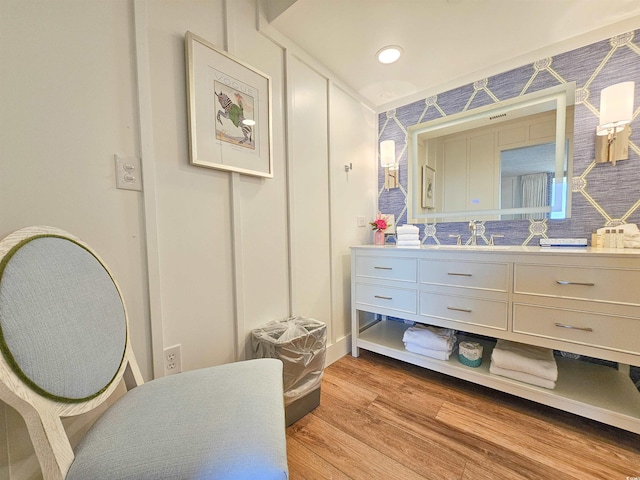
x=381, y=419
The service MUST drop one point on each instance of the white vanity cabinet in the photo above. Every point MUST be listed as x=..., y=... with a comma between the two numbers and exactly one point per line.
x=581, y=301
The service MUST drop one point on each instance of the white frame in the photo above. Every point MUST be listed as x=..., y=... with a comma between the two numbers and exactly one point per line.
x=218, y=139
x=561, y=95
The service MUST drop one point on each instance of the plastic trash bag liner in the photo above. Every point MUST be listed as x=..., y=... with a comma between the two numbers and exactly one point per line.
x=301, y=345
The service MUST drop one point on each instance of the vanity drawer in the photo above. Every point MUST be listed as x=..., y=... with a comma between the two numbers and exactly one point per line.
x=584, y=283
x=612, y=332
x=398, y=299
x=475, y=311
x=387, y=268
x=480, y=275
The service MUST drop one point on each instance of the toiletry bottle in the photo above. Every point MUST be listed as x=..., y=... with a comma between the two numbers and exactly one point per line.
x=600, y=240
x=607, y=238
x=594, y=239
x=620, y=238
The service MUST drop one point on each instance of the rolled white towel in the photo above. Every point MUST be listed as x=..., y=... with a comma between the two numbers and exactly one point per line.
x=522, y=377
x=434, y=338
x=428, y=352
x=537, y=361
x=407, y=229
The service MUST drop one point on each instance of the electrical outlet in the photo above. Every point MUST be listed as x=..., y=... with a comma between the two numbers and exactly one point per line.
x=173, y=360
x=128, y=173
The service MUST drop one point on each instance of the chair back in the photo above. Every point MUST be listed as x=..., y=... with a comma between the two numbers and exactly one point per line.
x=63, y=335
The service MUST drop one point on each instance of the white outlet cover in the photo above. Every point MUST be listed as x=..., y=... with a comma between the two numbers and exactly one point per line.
x=128, y=173
x=173, y=359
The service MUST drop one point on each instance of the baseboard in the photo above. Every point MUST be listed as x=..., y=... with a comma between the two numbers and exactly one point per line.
x=338, y=350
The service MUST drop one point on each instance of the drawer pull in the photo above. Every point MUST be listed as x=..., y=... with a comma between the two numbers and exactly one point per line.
x=459, y=274
x=584, y=329
x=566, y=282
x=466, y=310
x=383, y=298
x=383, y=268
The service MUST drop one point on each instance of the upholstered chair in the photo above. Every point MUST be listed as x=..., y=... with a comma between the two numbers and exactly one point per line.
x=65, y=348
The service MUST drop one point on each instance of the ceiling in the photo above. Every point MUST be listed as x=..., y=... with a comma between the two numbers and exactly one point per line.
x=447, y=43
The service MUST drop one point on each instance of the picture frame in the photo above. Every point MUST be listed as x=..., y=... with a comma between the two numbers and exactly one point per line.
x=428, y=187
x=229, y=111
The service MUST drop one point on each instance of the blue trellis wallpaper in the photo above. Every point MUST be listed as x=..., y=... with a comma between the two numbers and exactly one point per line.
x=603, y=194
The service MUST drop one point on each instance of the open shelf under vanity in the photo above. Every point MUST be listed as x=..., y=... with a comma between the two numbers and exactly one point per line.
x=519, y=296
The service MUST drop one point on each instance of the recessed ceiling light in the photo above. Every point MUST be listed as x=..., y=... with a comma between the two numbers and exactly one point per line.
x=389, y=54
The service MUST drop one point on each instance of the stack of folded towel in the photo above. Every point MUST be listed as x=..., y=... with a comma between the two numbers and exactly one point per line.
x=431, y=341
x=631, y=234
x=525, y=363
x=407, y=236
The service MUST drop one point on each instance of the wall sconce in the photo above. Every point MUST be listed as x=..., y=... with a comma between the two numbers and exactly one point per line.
x=616, y=111
x=388, y=162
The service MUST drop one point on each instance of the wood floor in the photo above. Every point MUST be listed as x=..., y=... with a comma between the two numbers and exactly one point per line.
x=380, y=419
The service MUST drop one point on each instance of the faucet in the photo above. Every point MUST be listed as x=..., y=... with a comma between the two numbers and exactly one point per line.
x=473, y=228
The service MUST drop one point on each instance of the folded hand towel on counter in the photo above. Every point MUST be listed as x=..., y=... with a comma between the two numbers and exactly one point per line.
x=530, y=359
x=408, y=243
x=428, y=352
x=522, y=377
x=632, y=241
x=434, y=338
x=407, y=236
x=406, y=229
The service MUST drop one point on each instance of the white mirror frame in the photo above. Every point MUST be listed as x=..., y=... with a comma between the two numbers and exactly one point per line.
x=562, y=96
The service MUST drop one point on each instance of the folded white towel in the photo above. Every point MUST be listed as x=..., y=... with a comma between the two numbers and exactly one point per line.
x=434, y=338
x=407, y=229
x=408, y=243
x=408, y=236
x=632, y=240
x=522, y=377
x=437, y=354
x=538, y=361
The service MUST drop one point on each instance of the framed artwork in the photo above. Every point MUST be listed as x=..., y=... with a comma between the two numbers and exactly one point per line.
x=428, y=187
x=229, y=111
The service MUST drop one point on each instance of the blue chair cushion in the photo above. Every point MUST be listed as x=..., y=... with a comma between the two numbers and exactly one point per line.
x=62, y=322
x=150, y=433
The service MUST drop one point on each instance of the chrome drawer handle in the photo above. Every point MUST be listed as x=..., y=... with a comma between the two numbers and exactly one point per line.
x=459, y=274
x=466, y=310
x=584, y=329
x=383, y=298
x=566, y=282
x=383, y=268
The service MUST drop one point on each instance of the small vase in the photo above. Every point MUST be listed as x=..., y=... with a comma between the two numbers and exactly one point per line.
x=378, y=237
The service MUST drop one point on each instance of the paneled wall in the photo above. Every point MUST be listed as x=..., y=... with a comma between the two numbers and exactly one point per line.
x=602, y=194
x=202, y=256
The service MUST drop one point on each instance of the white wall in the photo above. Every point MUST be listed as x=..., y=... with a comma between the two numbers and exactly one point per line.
x=215, y=244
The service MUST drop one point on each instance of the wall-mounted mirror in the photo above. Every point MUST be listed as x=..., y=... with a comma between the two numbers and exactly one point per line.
x=510, y=160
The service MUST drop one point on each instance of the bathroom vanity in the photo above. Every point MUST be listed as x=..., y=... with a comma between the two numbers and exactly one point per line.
x=578, y=300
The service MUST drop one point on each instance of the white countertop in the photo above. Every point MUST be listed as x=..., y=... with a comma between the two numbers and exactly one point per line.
x=510, y=249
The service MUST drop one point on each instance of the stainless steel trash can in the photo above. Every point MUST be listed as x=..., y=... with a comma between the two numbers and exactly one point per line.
x=300, y=343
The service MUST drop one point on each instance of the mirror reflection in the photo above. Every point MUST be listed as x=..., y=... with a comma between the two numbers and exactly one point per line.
x=507, y=161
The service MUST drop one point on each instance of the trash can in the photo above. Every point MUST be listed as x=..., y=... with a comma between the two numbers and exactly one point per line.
x=301, y=345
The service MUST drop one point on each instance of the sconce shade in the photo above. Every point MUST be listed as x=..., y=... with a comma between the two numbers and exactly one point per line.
x=616, y=106
x=387, y=153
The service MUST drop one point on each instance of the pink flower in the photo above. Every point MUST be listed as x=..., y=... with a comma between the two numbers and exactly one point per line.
x=379, y=224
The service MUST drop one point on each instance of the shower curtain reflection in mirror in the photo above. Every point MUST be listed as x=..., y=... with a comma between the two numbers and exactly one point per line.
x=526, y=179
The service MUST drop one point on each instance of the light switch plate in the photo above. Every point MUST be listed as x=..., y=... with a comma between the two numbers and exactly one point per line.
x=128, y=173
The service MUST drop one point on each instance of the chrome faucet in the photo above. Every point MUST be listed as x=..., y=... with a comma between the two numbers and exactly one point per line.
x=473, y=228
